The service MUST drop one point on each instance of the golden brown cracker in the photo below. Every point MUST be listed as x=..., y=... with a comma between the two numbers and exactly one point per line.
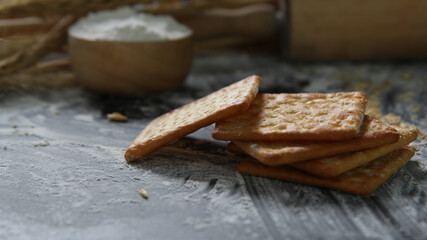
x=360, y=181
x=337, y=165
x=373, y=133
x=304, y=116
x=193, y=116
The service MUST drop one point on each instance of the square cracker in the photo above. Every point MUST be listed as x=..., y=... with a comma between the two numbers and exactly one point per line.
x=360, y=181
x=373, y=133
x=337, y=165
x=304, y=116
x=193, y=116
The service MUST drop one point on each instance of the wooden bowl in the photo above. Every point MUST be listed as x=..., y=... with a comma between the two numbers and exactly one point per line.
x=130, y=68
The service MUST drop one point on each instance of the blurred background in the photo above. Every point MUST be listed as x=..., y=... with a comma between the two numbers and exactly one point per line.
x=295, y=30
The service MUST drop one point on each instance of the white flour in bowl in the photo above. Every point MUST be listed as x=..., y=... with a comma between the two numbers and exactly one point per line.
x=125, y=24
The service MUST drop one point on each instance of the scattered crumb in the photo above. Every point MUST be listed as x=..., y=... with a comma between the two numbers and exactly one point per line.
x=417, y=107
x=421, y=164
x=4, y=148
x=105, y=144
x=116, y=116
x=342, y=77
x=57, y=112
x=362, y=86
x=26, y=133
x=405, y=75
x=143, y=193
x=422, y=135
x=414, y=145
x=407, y=96
x=14, y=126
x=43, y=143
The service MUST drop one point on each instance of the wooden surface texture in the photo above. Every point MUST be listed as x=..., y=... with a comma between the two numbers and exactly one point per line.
x=357, y=30
x=63, y=175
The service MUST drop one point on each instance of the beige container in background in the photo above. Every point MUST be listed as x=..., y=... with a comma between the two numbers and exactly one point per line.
x=357, y=29
x=131, y=68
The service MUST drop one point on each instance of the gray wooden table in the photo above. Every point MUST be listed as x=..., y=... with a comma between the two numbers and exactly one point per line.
x=63, y=176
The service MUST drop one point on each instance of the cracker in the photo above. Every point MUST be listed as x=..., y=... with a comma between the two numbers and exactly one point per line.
x=193, y=116
x=373, y=133
x=360, y=181
x=337, y=165
x=304, y=116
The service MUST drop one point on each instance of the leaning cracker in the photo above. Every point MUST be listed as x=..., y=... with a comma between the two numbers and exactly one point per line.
x=304, y=116
x=337, y=165
x=193, y=116
x=361, y=181
x=373, y=133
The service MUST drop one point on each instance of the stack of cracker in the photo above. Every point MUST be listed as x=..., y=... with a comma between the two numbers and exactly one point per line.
x=317, y=139
x=321, y=139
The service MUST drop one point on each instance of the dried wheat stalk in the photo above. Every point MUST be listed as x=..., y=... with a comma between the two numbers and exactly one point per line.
x=46, y=75
x=185, y=8
x=13, y=44
x=23, y=82
x=25, y=26
x=31, y=54
x=47, y=8
x=59, y=64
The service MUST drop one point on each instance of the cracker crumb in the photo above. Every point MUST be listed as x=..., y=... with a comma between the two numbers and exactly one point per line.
x=57, y=113
x=362, y=86
x=116, y=116
x=415, y=145
x=26, y=133
x=43, y=143
x=405, y=76
x=417, y=107
x=342, y=76
x=143, y=193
